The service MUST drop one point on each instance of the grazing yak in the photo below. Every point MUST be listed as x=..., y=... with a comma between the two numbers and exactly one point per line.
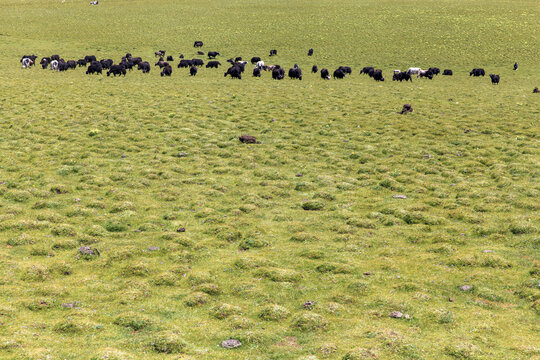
x=181, y=56
x=447, y=72
x=160, y=53
x=310, y=52
x=31, y=57
x=495, y=79
x=136, y=60
x=414, y=70
x=106, y=63
x=278, y=73
x=425, y=73
x=54, y=65
x=295, y=73
x=234, y=71
x=71, y=64
x=200, y=53
x=213, y=54
x=515, y=65
x=477, y=72
x=256, y=72
x=116, y=70
x=237, y=59
x=346, y=69
x=198, y=44
x=87, y=58
x=260, y=64
x=197, y=62
x=144, y=66
x=193, y=71
x=82, y=62
x=255, y=59
x=367, y=70
x=45, y=62
x=128, y=64
x=378, y=76
x=273, y=52
x=402, y=75
x=161, y=64
x=325, y=75
x=57, y=57
x=536, y=91
x=167, y=71
x=339, y=74
x=434, y=70
x=213, y=64
x=185, y=63
x=94, y=68
x=314, y=69
x=170, y=58
x=27, y=62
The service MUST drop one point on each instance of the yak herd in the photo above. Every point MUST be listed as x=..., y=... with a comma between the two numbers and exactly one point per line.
x=235, y=70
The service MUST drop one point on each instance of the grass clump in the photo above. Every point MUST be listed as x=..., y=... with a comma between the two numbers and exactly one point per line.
x=132, y=321
x=273, y=313
x=310, y=321
x=196, y=299
x=167, y=342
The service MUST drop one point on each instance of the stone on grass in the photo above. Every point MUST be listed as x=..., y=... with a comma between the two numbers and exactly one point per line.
x=87, y=250
x=231, y=343
x=396, y=315
x=399, y=196
x=466, y=288
x=407, y=108
x=153, y=248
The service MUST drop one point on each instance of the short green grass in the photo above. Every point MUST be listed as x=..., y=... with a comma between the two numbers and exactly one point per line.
x=120, y=165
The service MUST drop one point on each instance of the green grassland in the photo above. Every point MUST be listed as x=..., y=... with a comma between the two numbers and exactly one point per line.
x=309, y=214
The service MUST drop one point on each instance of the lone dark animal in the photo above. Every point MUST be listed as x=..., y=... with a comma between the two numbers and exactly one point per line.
x=81, y=63
x=515, y=65
x=237, y=59
x=170, y=58
x=144, y=66
x=447, y=72
x=495, y=79
x=366, y=70
x=213, y=54
x=198, y=44
x=234, y=71
x=314, y=69
x=536, y=91
x=248, y=139
x=407, y=108
x=94, y=68
x=255, y=59
x=477, y=72
x=200, y=53
x=278, y=73
x=256, y=72
x=193, y=71
x=273, y=52
x=310, y=52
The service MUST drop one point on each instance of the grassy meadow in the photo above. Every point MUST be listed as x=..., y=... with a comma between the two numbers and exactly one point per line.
x=299, y=246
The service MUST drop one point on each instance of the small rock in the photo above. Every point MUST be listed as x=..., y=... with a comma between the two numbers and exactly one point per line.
x=467, y=131
x=451, y=299
x=69, y=305
x=87, y=250
x=123, y=156
x=407, y=316
x=367, y=273
x=488, y=251
x=182, y=154
x=231, y=343
x=396, y=315
x=248, y=139
x=399, y=196
x=466, y=288
x=308, y=305
x=182, y=229
x=299, y=175
x=427, y=156
x=153, y=248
